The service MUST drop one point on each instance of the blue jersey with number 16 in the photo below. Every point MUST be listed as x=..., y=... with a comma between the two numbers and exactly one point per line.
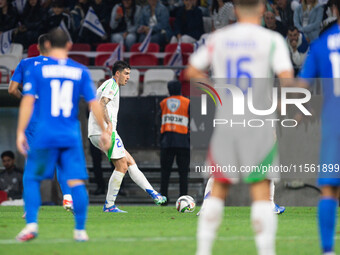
x=59, y=85
x=323, y=61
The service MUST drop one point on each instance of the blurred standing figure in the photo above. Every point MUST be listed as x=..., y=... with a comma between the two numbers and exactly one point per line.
x=188, y=24
x=222, y=13
x=124, y=22
x=308, y=18
x=155, y=16
x=175, y=139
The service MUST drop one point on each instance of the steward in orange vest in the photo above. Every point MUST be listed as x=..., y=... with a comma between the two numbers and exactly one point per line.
x=175, y=139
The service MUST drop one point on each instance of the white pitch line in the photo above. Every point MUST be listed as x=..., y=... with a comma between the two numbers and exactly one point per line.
x=156, y=239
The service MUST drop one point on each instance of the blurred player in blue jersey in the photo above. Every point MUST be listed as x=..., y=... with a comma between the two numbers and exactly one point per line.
x=59, y=83
x=13, y=89
x=324, y=61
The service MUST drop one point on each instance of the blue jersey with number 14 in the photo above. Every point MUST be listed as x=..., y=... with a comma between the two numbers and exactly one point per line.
x=323, y=61
x=59, y=85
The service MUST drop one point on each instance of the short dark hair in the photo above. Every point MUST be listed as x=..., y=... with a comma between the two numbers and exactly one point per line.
x=247, y=3
x=293, y=28
x=41, y=42
x=120, y=65
x=8, y=154
x=58, y=38
x=337, y=4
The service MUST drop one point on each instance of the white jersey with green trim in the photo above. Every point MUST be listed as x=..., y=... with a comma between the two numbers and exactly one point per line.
x=110, y=90
x=243, y=49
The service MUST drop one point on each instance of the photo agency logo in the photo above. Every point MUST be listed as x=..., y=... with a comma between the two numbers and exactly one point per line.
x=244, y=101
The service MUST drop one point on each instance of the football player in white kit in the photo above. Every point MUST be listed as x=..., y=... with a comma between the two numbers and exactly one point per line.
x=244, y=49
x=108, y=95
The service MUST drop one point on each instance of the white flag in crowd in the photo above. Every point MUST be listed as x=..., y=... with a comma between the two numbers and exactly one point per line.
x=92, y=22
x=176, y=58
x=143, y=47
x=19, y=5
x=5, y=41
x=63, y=27
x=116, y=55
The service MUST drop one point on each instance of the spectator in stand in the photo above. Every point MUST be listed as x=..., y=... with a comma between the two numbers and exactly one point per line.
x=222, y=13
x=155, y=16
x=57, y=15
x=273, y=24
x=78, y=14
x=188, y=24
x=284, y=12
x=11, y=177
x=8, y=16
x=124, y=22
x=101, y=8
x=32, y=24
x=298, y=47
x=308, y=18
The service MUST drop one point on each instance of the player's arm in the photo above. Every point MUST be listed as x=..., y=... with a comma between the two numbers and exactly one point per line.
x=25, y=113
x=103, y=103
x=13, y=89
x=96, y=109
x=16, y=80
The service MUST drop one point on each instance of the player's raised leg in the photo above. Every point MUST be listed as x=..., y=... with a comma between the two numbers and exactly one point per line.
x=327, y=217
x=210, y=220
x=139, y=178
x=263, y=220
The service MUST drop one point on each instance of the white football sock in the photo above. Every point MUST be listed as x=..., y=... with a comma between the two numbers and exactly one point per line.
x=271, y=193
x=114, y=186
x=208, y=223
x=264, y=223
x=67, y=197
x=139, y=178
x=206, y=191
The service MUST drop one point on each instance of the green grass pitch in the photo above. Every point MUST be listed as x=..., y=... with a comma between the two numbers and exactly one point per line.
x=153, y=230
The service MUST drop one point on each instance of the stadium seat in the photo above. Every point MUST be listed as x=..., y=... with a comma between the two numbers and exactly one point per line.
x=97, y=74
x=3, y=196
x=140, y=59
x=185, y=47
x=107, y=47
x=153, y=47
x=80, y=59
x=16, y=50
x=131, y=89
x=33, y=51
x=185, y=58
x=156, y=82
x=9, y=61
x=81, y=47
x=100, y=59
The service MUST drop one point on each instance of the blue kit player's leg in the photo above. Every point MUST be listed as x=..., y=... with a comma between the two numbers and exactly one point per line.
x=73, y=168
x=40, y=165
x=329, y=180
x=66, y=190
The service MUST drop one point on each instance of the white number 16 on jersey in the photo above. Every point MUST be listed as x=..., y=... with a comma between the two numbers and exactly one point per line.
x=61, y=98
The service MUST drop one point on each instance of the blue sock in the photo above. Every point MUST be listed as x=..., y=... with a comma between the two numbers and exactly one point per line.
x=327, y=214
x=65, y=189
x=80, y=203
x=32, y=199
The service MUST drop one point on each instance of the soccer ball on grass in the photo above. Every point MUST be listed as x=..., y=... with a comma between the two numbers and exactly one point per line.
x=185, y=204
